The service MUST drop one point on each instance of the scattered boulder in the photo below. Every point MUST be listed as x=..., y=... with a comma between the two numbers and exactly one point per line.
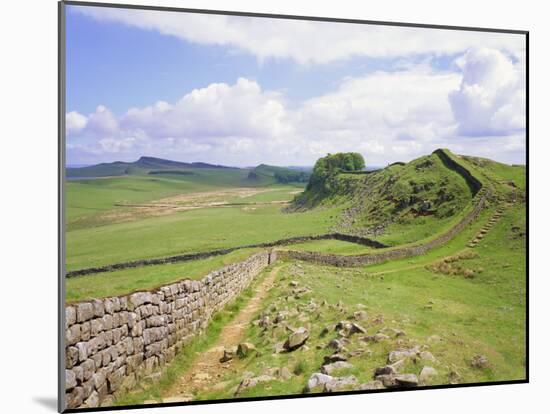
x=359, y=351
x=360, y=315
x=385, y=370
x=407, y=380
x=326, y=330
x=341, y=384
x=334, y=358
x=329, y=369
x=343, y=325
x=356, y=328
x=373, y=385
x=228, y=354
x=317, y=380
x=397, y=332
x=427, y=356
x=264, y=322
x=293, y=283
x=337, y=344
x=245, y=349
x=279, y=347
x=296, y=339
x=388, y=381
x=379, y=337
x=479, y=361
x=281, y=316
x=398, y=354
x=427, y=373
x=252, y=382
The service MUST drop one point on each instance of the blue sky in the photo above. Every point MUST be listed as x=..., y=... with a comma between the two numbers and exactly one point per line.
x=243, y=91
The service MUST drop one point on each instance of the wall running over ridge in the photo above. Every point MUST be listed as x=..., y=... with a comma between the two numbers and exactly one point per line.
x=373, y=258
x=481, y=195
x=111, y=343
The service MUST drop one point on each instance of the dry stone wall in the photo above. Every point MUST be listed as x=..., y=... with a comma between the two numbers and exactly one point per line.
x=397, y=253
x=111, y=343
x=203, y=255
x=481, y=196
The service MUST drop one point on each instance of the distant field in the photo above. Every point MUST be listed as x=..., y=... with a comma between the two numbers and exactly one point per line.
x=105, y=233
x=87, y=197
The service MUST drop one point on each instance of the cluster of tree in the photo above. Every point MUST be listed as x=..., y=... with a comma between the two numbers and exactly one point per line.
x=289, y=176
x=328, y=167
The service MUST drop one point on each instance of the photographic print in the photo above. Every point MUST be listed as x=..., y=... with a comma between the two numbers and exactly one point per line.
x=260, y=206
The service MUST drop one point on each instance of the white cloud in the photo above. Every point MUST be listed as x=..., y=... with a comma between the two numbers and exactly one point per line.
x=491, y=97
x=75, y=121
x=305, y=41
x=387, y=116
x=218, y=110
x=383, y=113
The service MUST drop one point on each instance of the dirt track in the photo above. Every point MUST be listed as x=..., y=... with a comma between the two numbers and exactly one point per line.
x=207, y=368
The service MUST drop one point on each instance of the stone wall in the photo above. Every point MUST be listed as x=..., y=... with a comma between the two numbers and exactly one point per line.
x=397, y=253
x=111, y=343
x=203, y=255
x=481, y=196
x=472, y=181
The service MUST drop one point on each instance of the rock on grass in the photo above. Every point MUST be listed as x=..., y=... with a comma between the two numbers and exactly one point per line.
x=296, y=339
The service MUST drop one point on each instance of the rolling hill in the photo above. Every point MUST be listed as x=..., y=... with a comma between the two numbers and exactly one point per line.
x=258, y=176
x=425, y=191
x=144, y=165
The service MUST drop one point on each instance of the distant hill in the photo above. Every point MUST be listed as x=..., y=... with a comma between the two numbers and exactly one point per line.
x=268, y=174
x=144, y=165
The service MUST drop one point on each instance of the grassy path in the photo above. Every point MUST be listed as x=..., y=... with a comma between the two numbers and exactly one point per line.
x=207, y=369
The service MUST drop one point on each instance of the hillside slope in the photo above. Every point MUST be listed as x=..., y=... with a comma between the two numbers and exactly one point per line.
x=405, y=199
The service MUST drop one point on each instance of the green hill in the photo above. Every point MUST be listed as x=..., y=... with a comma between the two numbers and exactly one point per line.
x=404, y=199
x=144, y=165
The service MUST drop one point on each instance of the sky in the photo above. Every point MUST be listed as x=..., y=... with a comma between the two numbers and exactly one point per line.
x=242, y=91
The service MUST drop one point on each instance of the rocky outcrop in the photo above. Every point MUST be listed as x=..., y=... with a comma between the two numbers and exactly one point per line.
x=111, y=343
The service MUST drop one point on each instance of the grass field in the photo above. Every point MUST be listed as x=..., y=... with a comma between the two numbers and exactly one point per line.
x=191, y=231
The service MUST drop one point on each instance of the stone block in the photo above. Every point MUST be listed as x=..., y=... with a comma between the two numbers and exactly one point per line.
x=70, y=316
x=99, y=308
x=72, y=335
x=84, y=312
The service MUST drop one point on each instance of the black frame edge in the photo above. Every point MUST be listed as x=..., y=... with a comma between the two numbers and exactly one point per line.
x=292, y=17
x=61, y=79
